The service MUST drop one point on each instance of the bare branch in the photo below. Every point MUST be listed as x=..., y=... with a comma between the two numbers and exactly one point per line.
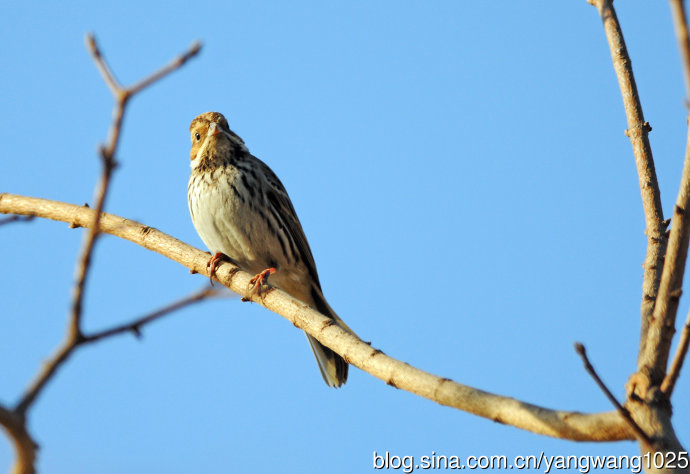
x=47, y=372
x=680, y=24
x=607, y=426
x=24, y=445
x=173, y=65
x=638, y=130
x=75, y=336
x=66, y=350
x=103, y=67
x=135, y=326
x=580, y=349
x=654, y=359
x=121, y=96
x=669, y=382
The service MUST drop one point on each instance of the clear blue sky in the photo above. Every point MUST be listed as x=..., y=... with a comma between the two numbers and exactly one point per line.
x=459, y=168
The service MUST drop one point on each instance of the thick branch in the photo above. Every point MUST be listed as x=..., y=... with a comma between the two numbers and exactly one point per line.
x=680, y=24
x=608, y=426
x=24, y=446
x=654, y=359
x=638, y=131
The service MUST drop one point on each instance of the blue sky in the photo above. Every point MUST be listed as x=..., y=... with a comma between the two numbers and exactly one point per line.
x=459, y=168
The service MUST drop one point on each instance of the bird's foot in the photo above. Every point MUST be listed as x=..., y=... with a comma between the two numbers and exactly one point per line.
x=213, y=264
x=258, y=281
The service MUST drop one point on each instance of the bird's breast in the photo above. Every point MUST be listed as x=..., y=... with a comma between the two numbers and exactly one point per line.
x=228, y=211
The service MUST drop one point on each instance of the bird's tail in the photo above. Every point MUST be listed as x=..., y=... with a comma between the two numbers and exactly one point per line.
x=333, y=367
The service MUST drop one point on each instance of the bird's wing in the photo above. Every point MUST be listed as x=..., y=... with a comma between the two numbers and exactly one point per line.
x=283, y=209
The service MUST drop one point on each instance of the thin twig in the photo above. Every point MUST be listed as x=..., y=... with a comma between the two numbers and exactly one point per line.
x=164, y=71
x=108, y=151
x=680, y=25
x=638, y=130
x=70, y=346
x=10, y=219
x=75, y=336
x=580, y=349
x=47, y=371
x=669, y=382
x=135, y=326
x=102, y=66
x=608, y=426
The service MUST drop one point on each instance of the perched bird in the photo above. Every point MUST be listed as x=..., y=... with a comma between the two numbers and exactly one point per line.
x=242, y=212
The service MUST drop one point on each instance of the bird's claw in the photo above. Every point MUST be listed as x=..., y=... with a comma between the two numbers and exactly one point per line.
x=213, y=264
x=258, y=281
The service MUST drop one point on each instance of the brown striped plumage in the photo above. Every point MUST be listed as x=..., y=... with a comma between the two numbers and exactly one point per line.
x=240, y=208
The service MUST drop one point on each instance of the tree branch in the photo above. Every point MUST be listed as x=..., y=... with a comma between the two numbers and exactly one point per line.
x=638, y=130
x=24, y=446
x=15, y=420
x=107, y=152
x=75, y=335
x=580, y=349
x=135, y=326
x=609, y=426
x=46, y=373
x=680, y=25
x=669, y=382
x=66, y=350
x=664, y=263
x=654, y=359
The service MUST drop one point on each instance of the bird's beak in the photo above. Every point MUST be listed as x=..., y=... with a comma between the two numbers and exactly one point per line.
x=213, y=130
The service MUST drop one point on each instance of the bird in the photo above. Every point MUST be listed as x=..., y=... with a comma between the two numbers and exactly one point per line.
x=243, y=213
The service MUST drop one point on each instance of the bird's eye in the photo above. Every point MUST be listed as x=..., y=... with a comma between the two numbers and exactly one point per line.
x=197, y=136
